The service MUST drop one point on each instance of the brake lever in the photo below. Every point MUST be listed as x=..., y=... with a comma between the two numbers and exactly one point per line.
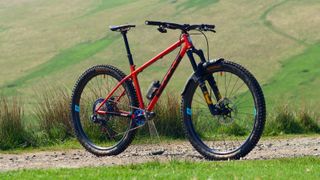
x=209, y=29
x=206, y=29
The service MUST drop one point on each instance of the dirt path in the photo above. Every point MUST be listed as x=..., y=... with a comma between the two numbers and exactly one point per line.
x=267, y=149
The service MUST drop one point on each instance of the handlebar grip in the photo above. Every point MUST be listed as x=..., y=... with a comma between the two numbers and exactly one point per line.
x=153, y=23
x=211, y=26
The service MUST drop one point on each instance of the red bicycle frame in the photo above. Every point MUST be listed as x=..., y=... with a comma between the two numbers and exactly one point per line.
x=187, y=44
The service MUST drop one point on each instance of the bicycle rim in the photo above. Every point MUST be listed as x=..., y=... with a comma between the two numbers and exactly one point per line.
x=225, y=134
x=110, y=130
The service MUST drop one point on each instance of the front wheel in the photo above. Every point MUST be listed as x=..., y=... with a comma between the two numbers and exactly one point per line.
x=234, y=130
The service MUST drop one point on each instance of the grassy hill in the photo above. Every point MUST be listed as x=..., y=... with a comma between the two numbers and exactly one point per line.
x=52, y=42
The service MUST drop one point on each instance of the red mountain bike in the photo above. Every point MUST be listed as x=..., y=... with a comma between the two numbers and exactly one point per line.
x=223, y=107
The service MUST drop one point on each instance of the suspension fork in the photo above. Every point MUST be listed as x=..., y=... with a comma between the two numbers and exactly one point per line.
x=200, y=73
x=214, y=87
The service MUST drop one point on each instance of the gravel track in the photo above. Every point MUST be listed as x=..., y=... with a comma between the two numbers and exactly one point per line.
x=266, y=149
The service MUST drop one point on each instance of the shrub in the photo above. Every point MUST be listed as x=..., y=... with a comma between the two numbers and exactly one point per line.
x=12, y=131
x=307, y=122
x=168, y=118
x=286, y=121
x=52, y=110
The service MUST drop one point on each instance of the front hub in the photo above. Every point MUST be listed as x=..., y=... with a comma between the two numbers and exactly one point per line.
x=227, y=111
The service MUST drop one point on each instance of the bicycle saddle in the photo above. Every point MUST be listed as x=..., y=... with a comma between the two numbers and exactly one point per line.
x=121, y=28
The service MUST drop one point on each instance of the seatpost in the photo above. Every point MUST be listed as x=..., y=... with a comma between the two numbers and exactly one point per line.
x=124, y=34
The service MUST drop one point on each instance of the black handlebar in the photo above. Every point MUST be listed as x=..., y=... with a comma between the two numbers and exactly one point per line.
x=154, y=23
x=184, y=27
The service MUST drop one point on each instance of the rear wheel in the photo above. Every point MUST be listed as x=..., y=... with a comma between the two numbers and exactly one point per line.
x=237, y=128
x=103, y=134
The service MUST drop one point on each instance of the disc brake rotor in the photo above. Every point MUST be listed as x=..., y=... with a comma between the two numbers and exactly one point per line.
x=228, y=111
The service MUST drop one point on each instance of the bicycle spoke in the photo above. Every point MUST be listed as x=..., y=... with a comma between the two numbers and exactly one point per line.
x=238, y=88
x=229, y=83
x=234, y=86
x=226, y=84
x=245, y=113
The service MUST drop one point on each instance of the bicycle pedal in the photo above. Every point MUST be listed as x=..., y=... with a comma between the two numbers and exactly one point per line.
x=150, y=115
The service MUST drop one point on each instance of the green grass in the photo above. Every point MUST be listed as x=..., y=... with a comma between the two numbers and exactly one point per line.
x=273, y=28
x=196, y=4
x=55, y=34
x=106, y=4
x=297, y=81
x=2, y=29
x=12, y=131
x=71, y=143
x=295, y=168
x=61, y=61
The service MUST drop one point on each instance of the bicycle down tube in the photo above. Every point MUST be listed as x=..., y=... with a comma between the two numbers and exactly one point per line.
x=134, y=73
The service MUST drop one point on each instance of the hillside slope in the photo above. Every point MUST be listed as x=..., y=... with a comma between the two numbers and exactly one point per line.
x=42, y=42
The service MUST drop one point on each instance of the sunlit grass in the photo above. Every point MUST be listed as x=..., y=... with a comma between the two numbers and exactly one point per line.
x=294, y=168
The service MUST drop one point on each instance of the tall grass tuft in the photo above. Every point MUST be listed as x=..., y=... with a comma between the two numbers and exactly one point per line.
x=286, y=120
x=283, y=122
x=168, y=116
x=308, y=121
x=53, y=113
x=12, y=131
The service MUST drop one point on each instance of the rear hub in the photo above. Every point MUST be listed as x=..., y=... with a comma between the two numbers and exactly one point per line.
x=109, y=106
x=102, y=119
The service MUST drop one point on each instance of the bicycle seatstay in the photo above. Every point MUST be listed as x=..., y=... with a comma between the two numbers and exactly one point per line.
x=134, y=73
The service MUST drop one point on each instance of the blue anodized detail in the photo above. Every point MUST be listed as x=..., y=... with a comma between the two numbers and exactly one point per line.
x=139, y=117
x=76, y=108
x=189, y=112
